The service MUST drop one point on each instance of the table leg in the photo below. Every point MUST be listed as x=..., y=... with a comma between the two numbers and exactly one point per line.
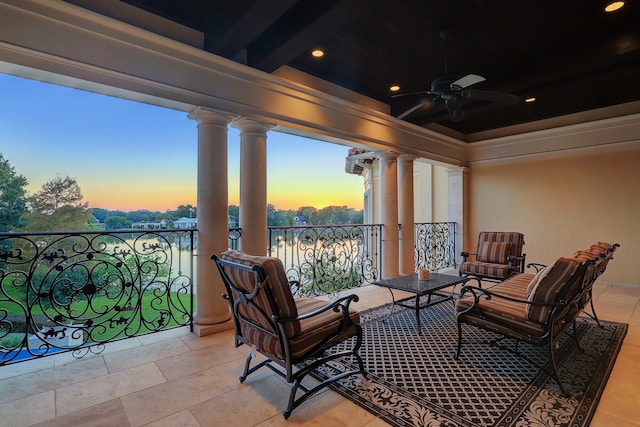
x=393, y=304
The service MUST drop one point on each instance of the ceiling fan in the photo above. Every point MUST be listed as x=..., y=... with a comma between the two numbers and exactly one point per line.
x=454, y=89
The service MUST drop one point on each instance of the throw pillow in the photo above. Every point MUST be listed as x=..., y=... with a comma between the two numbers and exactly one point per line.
x=548, y=288
x=494, y=252
x=536, y=279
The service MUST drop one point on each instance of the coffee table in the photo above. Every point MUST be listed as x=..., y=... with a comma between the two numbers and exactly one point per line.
x=431, y=287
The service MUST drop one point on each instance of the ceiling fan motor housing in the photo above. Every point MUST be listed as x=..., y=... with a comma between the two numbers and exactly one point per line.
x=442, y=86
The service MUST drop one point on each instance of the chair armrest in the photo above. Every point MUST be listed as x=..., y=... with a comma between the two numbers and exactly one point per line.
x=294, y=285
x=536, y=265
x=515, y=260
x=341, y=304
x=465, y=255
x=478, y=292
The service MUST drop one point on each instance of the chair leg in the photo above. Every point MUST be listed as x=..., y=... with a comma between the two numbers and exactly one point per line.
x=303, y=372
x=593, y=310
x=556, y=375
x=575, y=336
x=459, y=341
x=247, y=365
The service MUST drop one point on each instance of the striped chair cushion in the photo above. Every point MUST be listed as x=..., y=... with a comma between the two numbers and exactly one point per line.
x=312, y=330
x=587, y=256
x=500, y=311
x=515, y=238
x=604, y=245
x=598, y=249
x=317, y=328
x=486, y=269
x=494, y=252
x=548, y=288
x=536, y=279
x=278, y=285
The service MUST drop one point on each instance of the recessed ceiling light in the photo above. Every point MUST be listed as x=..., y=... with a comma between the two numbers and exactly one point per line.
x=394, y=88
x=317, y=53
x=613, y=6
x=530, y=99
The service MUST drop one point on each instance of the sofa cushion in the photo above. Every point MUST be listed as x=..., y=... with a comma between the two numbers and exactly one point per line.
x=486, y=269
x=536, y=279
x=278, y=285
x=604, y=245
x=549, y=287
x=494, y=252
x=316, y=329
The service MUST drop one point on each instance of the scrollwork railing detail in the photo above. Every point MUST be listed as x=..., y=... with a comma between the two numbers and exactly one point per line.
x=435, y=245
x=77, y=291
x=327, y=259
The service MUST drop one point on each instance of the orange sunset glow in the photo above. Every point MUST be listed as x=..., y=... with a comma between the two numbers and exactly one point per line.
x=129, y=156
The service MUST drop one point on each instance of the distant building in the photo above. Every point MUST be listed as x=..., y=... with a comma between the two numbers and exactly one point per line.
x=144, y=225
x=300, y=220
x=185, y=222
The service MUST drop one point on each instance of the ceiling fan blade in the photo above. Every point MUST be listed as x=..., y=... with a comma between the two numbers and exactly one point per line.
x=455, y=109
x=485, y=95
x=466, y=81
x=414, y=108
x=400, y=95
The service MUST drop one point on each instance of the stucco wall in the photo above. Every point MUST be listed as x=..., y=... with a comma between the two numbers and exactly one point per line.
x=562, y=205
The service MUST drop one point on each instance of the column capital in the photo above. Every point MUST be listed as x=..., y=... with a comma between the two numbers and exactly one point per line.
x=209, y=116
x=406, y=158
x=387, y=155
x=457, y=170
x=249, y=125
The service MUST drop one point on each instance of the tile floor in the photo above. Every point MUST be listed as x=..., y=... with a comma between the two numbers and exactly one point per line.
x=178, y=379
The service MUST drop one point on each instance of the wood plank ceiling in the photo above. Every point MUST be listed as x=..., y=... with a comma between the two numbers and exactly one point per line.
x=570, y=55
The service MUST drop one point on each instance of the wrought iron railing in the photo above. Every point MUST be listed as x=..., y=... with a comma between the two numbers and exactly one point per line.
x=327, y=259
x=435, y=245
x=234, y=236
x=78, y=291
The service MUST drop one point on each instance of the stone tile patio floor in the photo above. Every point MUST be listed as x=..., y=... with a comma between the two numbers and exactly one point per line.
x=175, y=378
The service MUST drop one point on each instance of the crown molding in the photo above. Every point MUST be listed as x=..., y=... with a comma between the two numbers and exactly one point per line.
x=607, y=135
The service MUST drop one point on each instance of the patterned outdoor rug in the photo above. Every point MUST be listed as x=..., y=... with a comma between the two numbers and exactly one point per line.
x=414, y=380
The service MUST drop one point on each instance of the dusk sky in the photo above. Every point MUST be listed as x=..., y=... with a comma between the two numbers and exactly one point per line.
x=127, y=155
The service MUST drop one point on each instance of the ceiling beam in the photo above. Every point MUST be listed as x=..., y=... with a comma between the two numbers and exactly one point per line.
x=253, y=23
x=335, y=17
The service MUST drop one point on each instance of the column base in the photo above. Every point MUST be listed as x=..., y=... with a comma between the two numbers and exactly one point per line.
x=204, y=330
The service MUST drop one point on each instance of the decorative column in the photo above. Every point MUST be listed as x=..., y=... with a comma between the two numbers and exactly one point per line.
x=458, y=178
x=253, y=185
x=212, y=312
x=389, y=205
x=406, y=214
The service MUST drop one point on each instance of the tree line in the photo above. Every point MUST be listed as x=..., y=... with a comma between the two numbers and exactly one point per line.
x=59, y=206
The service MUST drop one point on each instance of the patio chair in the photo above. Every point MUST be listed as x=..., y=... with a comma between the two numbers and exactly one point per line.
x=297, y=335
x=499, y=256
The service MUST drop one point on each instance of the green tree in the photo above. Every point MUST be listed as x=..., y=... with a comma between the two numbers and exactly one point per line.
x=185, y=211
x=13, y=201
x=234, y=213
x=272, y=215
x=116, y=221
x=58, y=207
x=100, y=214
x=310, y=213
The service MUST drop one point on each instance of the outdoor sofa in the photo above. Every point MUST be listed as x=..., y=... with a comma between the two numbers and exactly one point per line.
x=537, y=308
